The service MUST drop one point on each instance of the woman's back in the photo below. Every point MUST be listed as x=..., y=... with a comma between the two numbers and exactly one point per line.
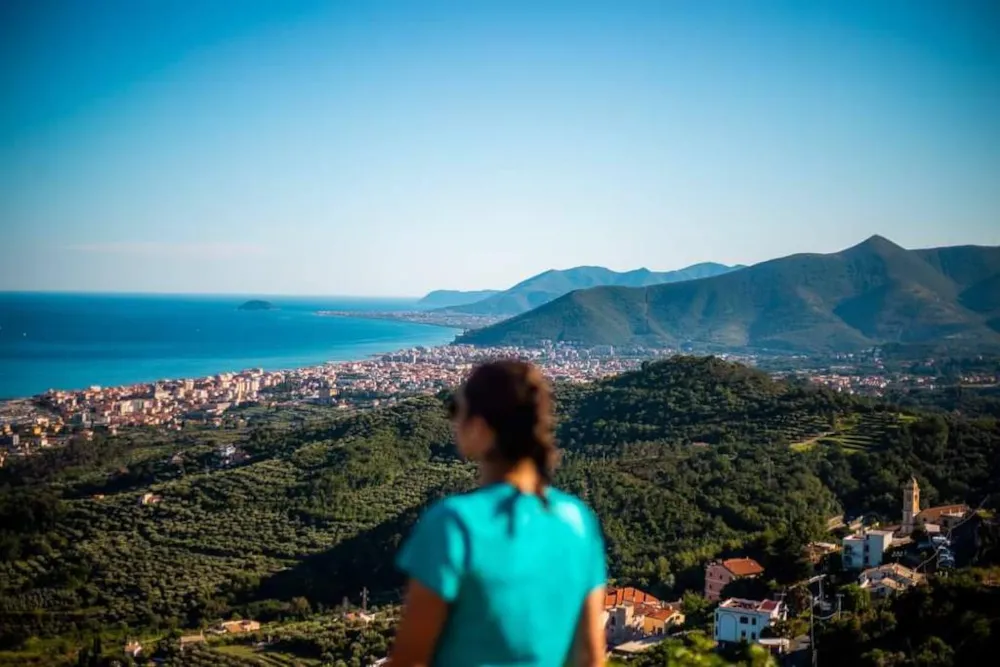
x=515, y=569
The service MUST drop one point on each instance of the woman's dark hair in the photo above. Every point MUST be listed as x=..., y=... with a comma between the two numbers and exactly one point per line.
x=514, y=399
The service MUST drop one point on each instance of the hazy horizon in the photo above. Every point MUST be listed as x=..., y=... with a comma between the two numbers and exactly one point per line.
x=380, y=150
x=371, y=297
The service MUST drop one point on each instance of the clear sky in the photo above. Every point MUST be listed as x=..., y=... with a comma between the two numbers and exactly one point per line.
x=389, y=148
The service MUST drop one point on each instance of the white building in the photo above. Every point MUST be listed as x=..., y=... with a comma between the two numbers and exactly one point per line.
x=738, y=620
x=888, y=579
x=865, y=549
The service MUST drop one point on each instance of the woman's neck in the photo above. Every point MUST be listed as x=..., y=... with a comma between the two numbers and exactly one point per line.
x=523, y=475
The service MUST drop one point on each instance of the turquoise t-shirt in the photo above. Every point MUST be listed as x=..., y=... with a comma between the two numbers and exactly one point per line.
x=514, y=570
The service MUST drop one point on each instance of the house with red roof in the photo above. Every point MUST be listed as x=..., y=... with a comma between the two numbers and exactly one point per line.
x=630, y=613
x=718, y=574
x=616, y=597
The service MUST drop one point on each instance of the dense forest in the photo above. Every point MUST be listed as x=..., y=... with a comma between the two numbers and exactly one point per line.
x=685, y=460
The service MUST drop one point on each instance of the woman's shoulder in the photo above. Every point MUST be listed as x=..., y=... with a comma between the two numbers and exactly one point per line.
x=573, y=510
x=481, y=504
x=458, y=506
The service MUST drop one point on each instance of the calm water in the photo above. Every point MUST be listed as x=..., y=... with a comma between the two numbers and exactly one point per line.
x=69, y=341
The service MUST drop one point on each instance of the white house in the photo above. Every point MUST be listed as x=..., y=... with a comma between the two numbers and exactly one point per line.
x=738, y=620
x=865, y=549
x=889, y=579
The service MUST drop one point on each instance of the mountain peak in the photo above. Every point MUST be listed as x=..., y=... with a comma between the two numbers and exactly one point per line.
x=878, y=241
x=875, y=245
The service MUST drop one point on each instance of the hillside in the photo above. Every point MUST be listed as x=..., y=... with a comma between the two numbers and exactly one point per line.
x=684, y=460
x=445, y=298
x=550, y=285
x=875, y=292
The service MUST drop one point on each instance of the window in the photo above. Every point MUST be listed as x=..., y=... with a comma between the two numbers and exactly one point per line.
x=753, y=635
x=743, y=635
x=744, y=620
x=754, y=620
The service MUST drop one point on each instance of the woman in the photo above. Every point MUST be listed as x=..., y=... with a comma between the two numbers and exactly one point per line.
x=512, y=573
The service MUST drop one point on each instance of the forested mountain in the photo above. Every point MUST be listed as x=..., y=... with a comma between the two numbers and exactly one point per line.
x=545, y=287
x=685, y=460
x=875, y=292
x=445, y=298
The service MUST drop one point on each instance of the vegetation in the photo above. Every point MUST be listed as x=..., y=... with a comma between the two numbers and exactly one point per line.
x=685, y=460
x=696, y=650
x=952, y=621
x=876, y=292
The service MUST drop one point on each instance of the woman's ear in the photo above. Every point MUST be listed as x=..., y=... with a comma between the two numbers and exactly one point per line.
x=480, y=437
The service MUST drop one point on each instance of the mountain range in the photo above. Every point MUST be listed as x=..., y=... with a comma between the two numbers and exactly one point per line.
x=448, y=298
x=872, y=293
x=550, y=285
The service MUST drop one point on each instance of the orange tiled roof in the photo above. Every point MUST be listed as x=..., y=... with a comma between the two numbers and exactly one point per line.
x=619, y=596
x=932, y=514
x=662, y=614
x=743, y=567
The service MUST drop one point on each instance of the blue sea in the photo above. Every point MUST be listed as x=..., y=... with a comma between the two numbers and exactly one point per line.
x=71, y=341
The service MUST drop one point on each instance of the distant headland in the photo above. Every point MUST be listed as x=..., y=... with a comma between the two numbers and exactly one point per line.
x=256, y=304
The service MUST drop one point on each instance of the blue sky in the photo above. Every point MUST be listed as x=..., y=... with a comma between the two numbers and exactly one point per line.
x=389, y=148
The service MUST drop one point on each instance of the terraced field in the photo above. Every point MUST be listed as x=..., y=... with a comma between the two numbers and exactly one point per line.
x=857, y=432
x=266, y=658
x=237, y=655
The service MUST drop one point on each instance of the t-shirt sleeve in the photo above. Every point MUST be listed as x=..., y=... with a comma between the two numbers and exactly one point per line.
x=597, y=569
x=435, y=553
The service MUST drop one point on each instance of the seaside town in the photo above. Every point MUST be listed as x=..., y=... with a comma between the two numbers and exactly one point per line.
x=49, y=419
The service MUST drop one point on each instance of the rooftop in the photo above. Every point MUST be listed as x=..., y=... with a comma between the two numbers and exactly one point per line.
x=619, y=596
x=638, y=645
x=766, y=606
x=935, y=513
x=743, y=567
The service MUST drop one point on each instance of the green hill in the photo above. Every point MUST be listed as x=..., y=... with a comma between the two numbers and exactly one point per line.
x=685, y=460
x=875, y=292
x=545, y=287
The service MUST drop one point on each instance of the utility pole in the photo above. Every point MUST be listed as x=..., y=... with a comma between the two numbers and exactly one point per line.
x=364, y=600
x=812, y=614
x=840, y=603
x=812, y=627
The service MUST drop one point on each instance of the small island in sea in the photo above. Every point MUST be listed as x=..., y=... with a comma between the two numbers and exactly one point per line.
x=256, y=304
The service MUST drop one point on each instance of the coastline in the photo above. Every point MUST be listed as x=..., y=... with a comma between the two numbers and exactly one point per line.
x=71, y=342
x=459, y=321
x=332, y=359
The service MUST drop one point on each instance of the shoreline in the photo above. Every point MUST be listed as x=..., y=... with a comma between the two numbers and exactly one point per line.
x=459, y=321
x=235, y=369
x=73, y=341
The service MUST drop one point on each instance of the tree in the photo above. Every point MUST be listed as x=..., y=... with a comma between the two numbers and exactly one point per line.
x=856, y=599
x=934, y=652
x=697, y=610
x=300, y=607
x=697, y=650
